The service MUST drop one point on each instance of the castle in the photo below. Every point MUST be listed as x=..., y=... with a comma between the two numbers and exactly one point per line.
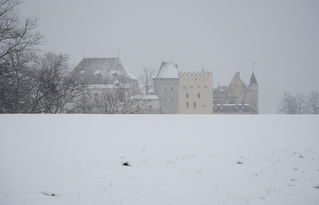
x=183, y=92
x=193, y=93
x=237, y=97
x=175, y=92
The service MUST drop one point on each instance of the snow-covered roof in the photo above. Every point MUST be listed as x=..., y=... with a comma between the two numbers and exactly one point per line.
x=100, y=86
x=145, y=97
x=232, y=105
x=100, y=70
x=105, y=86
x=167, y=70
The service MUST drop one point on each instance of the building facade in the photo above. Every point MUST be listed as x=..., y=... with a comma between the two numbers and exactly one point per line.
x=195, y=93
x=237, y=97
x=146, y=104
x=183, y=92
x=107, y=86
x=166, y=87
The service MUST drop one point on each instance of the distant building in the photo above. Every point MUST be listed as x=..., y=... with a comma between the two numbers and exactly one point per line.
x=107, y=81
x=104, y=71
x=195, y=93
x=107, y=86
x=237, y=98
x=183, y=92
x=146, y=104
x=166, y=87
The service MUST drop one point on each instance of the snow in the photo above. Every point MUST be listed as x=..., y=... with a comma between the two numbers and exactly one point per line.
x=114, y=72
x=145, y=97
x=106, y=86
x=232, y=105
x=175, y=159
x=100, y=86
x=97, y=72
x=168, y=70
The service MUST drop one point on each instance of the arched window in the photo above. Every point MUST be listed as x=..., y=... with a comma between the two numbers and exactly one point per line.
x=186, y=95
x=198, y=95
x=187, y=104
x=194, y=104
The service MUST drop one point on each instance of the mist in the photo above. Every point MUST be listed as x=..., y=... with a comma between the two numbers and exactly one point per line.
x=281, y=37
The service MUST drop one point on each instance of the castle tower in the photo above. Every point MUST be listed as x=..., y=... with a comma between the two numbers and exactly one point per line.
x=196, y=92
x=252, y=94
x=236, y=90
x=166, y=84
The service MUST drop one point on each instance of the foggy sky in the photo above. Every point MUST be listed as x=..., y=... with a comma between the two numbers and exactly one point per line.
x=281, y=37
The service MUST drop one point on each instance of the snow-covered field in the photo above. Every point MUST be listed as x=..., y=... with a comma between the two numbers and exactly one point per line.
x=181, y=159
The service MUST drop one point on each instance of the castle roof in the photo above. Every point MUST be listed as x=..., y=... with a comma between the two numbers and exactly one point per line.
x=145, y=97
x=100, y=70
x=253, y=80
x=167, y=70
x=237, y=83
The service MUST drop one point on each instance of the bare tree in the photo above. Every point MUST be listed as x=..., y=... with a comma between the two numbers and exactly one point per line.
x=118, y=100
x=147, y=80
x=108, y=99
x=288, y=104
x=17, y=50
x=313, y=102
x=15, y=37
x=299, y=104
x=53, y=88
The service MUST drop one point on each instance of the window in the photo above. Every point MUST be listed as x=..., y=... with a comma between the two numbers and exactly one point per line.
x=172, y=88
x=198, y=95
x=187, y=104
x=96, y=97
x=165, y=88
x=150, y=107
x=186, y=95
x=194, y=105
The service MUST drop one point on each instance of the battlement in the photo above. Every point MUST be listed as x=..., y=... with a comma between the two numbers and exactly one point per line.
x=199, y=73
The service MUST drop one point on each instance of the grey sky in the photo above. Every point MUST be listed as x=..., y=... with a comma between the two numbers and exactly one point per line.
x=282, y=37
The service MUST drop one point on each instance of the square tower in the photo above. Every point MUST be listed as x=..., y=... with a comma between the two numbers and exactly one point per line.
x=195, y=93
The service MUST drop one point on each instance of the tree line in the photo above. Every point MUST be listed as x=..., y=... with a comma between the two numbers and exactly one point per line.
x=30, y=81
x=299, y=103
x=35, y=82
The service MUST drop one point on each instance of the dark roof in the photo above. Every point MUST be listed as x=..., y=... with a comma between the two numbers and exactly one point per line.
x=253, y=80
x=100, y=70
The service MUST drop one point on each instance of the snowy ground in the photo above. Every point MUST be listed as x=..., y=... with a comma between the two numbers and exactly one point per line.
x=264, y=159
